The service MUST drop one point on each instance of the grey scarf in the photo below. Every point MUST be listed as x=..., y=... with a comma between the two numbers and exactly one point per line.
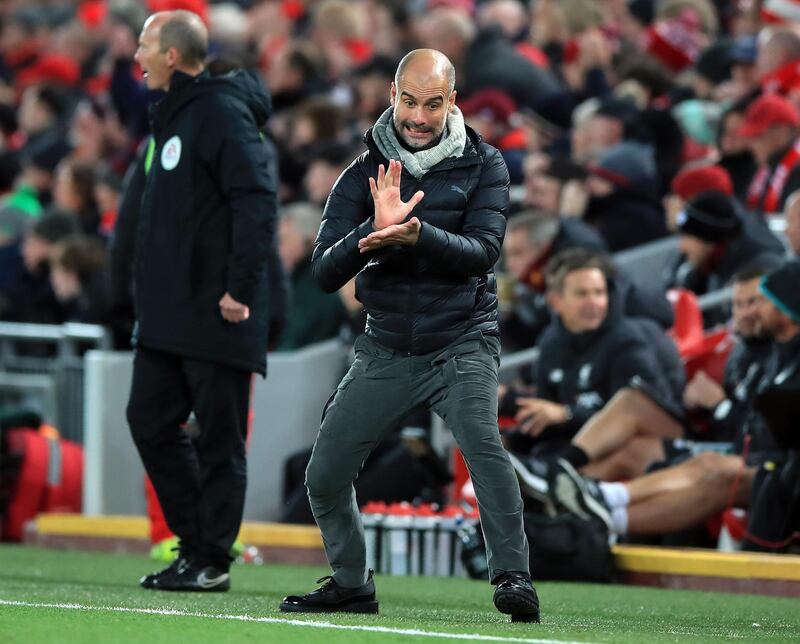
x=452, y=143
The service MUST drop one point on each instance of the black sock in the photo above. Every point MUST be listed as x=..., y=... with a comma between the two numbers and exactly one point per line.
x=575, y=456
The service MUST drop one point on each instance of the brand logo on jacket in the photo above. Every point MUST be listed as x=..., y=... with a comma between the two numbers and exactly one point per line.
x=584, y=375
x=459, y=190
x=590, y=400
x=556, y=375
x=171, y=153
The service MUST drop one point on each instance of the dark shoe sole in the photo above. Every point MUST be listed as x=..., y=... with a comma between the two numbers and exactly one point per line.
x=519, y=606
x=221, y=588
x=370, y=607
x=196, y=589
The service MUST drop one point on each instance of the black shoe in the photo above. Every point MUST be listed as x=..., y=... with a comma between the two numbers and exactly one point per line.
x=532, y=474
x=516, y=596
x=189, y=576
x=578, y=495
x=152, y=580
x=333, y=598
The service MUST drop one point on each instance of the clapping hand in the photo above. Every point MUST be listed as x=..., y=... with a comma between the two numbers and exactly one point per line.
x=389, y=207
x=391, y=211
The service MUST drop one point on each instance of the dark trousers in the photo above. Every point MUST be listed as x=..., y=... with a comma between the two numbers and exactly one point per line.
x=200, y=482
x=460, y=384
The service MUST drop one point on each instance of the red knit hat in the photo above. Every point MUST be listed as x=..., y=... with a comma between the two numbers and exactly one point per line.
x=693, y=181
x=494, y=103
x=675, y=42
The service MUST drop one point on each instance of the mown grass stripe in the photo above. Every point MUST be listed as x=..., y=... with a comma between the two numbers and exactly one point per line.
x=472, y=637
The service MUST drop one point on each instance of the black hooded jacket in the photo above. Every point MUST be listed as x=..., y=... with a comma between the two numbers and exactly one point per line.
x=207, y=222
x=424, y=297
x=628, y=217
x=585, y=370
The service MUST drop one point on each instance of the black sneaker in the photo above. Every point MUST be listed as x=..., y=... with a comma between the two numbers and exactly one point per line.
x=152, y=580
x=516, y=596
x=333, y=598
x=532, y=474
x=189, y=576
x=578, y=495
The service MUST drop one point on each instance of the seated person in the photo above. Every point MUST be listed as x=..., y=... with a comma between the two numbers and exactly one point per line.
x=636, y=430
x=313, y=315
x=79, y=277
x=685, y=495
x=26, y=294
x=589, y=352
x=717, y=242
x=533, y=238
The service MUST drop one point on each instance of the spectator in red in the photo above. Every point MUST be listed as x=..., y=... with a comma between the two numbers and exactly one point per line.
x=770, y=129
x=490, y=112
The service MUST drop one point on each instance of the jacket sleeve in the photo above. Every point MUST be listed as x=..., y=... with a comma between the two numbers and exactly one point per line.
x=347, y=218
x=243, y=171
x=123, y=240
x=476, y=250
x=633, y=358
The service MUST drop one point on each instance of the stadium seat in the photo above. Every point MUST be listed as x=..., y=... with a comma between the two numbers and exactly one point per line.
x=687, y=330
x=709, y=355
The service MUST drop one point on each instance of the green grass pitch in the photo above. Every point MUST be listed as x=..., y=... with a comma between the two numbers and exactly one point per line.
x=49, y=596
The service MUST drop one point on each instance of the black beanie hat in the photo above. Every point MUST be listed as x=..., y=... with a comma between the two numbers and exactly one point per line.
x=780, y=287
x=710, y=216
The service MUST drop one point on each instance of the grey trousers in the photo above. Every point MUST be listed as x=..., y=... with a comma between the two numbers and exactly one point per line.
x=460, y=384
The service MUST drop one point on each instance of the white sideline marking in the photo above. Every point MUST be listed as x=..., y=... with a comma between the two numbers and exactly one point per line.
x=474, y=637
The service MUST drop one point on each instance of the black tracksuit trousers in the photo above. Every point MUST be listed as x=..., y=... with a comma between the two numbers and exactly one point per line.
x=200, y=482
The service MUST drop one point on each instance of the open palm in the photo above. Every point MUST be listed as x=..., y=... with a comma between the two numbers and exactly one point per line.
x=389, y=207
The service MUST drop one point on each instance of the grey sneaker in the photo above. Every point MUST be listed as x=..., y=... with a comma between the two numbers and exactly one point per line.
x=578, y=495
x=532, y=477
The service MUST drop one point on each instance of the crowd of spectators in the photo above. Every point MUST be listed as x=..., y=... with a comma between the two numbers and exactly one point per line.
x=622, y=122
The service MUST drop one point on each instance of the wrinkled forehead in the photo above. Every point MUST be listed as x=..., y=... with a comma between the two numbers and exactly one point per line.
x=424, y=78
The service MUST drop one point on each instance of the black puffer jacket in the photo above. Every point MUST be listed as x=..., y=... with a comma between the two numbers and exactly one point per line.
x=207, y=222
x=421, y=298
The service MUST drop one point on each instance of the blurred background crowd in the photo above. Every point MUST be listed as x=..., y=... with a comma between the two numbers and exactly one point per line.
x=622, y=122
x=610, y=114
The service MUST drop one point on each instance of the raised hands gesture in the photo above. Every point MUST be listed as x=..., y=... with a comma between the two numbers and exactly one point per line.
x=389, y=208
x=391, y=211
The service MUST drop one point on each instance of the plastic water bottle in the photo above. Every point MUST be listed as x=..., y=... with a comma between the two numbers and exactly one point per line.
x=448, y=564
x=397, y=524
x=373, y=515
x=426, y=532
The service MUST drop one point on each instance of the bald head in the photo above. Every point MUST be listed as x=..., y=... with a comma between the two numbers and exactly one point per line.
x=428, y=65
x=171, y=41
x=422, y=97
x=185, y=31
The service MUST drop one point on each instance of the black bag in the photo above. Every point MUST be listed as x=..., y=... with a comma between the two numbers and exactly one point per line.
x=568, y=548
x=774, y=513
